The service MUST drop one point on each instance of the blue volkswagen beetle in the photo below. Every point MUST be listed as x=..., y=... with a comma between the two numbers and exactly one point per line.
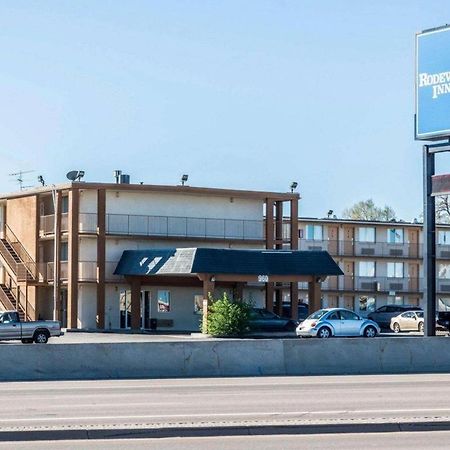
x=336, y=322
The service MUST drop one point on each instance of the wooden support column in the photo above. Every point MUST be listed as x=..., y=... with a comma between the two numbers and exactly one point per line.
x=239, y=291
x=279, y=246
x=269, y=296
x=208, y=292
x=314, y=296
x=135, y=303
x=269, y=224
x=101, y=256
x=57, y=262
x=294, y=300
x=294, y=224
x=278, y=299
x=279, y=225
x=72, y=291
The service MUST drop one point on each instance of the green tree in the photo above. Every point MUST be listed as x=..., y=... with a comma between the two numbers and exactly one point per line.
x=367, y=210
x=227, y=317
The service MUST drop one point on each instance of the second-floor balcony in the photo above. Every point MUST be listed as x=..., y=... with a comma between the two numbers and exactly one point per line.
x=368, y=249
x=164, y=226
x=371, y=284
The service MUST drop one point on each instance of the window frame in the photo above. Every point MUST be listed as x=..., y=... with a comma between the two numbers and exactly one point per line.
x=365, y=240
x=314, y=227
x=393, y=232
x=160, y=302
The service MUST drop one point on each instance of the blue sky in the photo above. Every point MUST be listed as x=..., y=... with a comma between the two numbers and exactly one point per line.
x=239, y=94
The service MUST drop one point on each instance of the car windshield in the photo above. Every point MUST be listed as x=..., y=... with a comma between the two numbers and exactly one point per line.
x=318, y=314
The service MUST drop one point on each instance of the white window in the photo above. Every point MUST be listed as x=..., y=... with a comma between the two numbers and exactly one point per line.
x=367, y=304
x=398, y=300
x=366, y=234
x=314, y=232
x=395, y=236
x=163, y=301
x=444, y=271
x=444, y=237
x=366, y=268
x=395, y=270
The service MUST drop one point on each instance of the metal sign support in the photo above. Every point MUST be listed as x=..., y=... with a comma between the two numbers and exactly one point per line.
x=429, y=233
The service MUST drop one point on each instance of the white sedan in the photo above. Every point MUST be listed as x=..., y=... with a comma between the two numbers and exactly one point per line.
x=336, y=322
x=408, y=321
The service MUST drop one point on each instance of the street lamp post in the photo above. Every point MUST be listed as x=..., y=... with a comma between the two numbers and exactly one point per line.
x=55, y=253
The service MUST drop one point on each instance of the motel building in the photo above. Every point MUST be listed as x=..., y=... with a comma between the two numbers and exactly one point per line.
x=120, y=255
x=381, y=261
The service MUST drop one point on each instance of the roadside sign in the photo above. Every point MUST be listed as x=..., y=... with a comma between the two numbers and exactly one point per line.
x=433, y=84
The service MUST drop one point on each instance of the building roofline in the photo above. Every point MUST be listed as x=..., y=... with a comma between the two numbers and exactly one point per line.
x=367, y=222
x=183, y=190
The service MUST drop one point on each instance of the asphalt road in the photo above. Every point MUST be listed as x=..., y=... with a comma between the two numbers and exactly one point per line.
x=224, y=409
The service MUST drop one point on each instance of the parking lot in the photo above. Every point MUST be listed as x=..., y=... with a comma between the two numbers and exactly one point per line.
x=89, y=337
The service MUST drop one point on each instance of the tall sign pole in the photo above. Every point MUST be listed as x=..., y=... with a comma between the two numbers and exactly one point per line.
x=429, y=233
x=432, y=123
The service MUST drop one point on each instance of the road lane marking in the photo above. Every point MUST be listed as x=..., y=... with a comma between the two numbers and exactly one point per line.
x=238, y=414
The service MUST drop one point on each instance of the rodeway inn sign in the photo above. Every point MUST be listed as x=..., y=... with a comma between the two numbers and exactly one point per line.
x=433, y=84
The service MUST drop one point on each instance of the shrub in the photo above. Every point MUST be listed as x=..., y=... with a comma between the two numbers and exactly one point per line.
x=227, y=318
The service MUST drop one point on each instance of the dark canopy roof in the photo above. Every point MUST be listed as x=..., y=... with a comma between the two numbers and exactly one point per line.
x=185, y=261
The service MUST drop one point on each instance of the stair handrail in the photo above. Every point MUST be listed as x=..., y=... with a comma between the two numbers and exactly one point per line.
x=5, y=300
x=25, y=305
x=22, y=253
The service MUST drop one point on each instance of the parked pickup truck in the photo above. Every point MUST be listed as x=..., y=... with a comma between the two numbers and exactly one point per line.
x=11, y=328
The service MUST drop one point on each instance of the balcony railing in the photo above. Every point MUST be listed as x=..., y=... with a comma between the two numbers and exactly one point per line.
x=170, y=226
x=372, y=284
x=87, y=271
x=47, y=224
x=358, y=248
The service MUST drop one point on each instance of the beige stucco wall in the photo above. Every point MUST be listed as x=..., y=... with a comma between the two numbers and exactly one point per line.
x=21, y=218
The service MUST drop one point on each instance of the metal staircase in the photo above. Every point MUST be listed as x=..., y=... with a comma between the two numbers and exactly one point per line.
x=10, y=302
x=19, y=268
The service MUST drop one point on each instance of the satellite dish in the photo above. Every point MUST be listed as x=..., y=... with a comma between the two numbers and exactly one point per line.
x=72, y=175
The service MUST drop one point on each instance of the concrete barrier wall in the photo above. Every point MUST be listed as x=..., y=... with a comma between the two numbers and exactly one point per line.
x=212, y=358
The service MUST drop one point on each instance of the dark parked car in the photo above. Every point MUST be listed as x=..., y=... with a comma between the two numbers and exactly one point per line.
x=264, y=320
x=383, y=315
x=443, y=320
x=303, y=311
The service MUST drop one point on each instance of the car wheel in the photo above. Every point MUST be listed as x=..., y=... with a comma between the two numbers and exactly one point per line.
x=324, y=333
x=421, y=327
x=396, y=327
x=41, y=337
x=370, y=332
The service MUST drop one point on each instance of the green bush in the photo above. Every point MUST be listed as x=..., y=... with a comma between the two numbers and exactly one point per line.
x=227, y=318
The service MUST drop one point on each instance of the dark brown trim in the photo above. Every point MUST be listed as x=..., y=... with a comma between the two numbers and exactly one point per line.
x=314, y=296
x=176, y=238
x=57, y=263
x=294, y=300
x=135, y=303
x=184, y=190
x=269, y=296
x=72, y=291
x=278, y=225
x=294, y=224
x=269, y=224
x=101, y=257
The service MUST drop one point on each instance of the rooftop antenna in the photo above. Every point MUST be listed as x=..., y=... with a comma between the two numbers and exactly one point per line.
x=19, y=178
